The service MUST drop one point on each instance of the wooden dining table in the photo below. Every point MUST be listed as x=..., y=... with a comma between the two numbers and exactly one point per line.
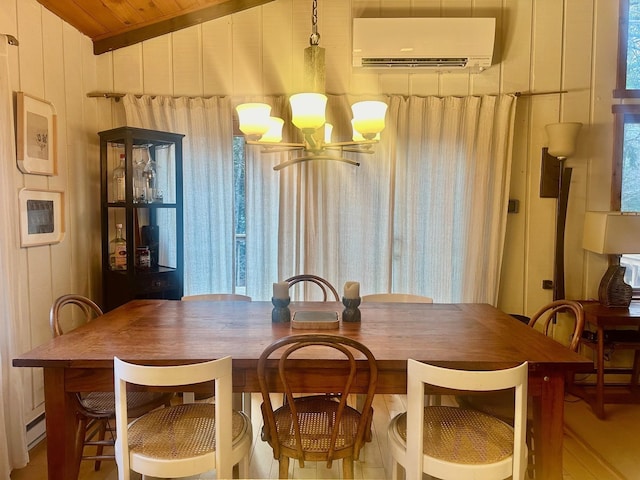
x=163, y=332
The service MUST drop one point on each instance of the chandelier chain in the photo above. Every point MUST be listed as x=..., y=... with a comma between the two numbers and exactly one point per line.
x=314, y=39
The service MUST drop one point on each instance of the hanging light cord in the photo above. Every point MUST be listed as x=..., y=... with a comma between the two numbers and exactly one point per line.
x=314, y=39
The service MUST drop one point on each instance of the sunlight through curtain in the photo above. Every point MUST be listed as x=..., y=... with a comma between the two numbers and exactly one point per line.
x=425, y=214
x=13, y=442
x=453, y=167
x=207, y=182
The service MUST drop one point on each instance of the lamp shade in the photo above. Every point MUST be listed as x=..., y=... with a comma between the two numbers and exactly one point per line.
x=308, y=111
x=368, y=118
x=274, y=134
x=613, y=233
x=253, y=118
x=357, y=136
x=562, y=138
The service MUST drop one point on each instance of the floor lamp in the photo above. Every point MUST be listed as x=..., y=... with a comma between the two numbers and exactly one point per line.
x=554, y=183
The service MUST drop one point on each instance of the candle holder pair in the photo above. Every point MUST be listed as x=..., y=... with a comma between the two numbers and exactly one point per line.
x=282, y=314
x=351, y=312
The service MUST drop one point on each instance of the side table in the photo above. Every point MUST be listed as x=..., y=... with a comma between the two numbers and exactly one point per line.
x=606, y=319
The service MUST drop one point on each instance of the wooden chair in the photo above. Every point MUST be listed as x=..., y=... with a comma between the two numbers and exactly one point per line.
x=317, y=427
x=324, y=285
x=97, y=409
x=453, y=443
x=217, y=297
x=500, y=404
x=396, y=298
x=185, y=439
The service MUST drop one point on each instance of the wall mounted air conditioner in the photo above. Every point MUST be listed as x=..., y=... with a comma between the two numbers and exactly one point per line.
x=435, y=43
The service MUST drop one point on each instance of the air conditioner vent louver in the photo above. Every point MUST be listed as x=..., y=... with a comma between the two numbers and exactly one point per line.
x=415, y=62
x=436, y=44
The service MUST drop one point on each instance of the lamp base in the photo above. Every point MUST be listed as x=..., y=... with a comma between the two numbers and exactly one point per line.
x=613, y=292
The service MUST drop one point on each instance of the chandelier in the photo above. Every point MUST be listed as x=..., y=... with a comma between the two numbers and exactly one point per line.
x=308, y=114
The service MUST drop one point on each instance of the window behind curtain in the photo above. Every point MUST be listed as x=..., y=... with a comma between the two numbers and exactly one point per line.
x=240, y=221
x=626, y=174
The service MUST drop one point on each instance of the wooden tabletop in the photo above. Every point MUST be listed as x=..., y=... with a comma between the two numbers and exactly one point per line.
x=471, y=336
x=165, y=331
x=597, y=314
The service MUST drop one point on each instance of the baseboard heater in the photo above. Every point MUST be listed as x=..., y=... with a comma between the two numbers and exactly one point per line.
x=36, y=431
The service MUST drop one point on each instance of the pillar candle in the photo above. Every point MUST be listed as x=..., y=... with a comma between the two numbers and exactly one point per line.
x=281, y=290
x=352, y=290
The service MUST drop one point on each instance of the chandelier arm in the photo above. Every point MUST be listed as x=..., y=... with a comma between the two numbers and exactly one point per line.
x=293, y=161
x=275, y=145
x=280, y=149
x=357, y=150
x=354, y=149
x=350, y=144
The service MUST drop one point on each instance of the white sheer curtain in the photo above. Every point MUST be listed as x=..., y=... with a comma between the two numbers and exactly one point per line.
x=453, y=166
x=207, y=182
x=13, y=443
x=425, y=214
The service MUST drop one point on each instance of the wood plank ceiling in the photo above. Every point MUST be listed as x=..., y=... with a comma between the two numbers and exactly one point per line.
x=113, y=24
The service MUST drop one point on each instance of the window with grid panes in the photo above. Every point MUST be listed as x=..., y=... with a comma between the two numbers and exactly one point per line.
x=626, y=174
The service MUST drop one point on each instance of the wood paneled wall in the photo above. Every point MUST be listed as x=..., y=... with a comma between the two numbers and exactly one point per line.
x=55, y=62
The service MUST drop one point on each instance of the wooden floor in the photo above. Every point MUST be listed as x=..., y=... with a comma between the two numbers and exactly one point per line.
x=580, y=461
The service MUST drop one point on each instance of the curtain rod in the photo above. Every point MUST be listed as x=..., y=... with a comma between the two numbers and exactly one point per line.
x=117, y=96
x=11, y=40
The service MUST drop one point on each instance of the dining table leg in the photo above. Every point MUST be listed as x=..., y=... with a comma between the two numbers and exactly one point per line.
x=62, y=427
x=548, y=426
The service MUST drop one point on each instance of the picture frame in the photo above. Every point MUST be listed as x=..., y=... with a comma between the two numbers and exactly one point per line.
x=36, y=135
x=41, y=217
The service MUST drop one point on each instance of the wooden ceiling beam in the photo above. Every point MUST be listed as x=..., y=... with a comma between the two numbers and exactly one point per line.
x=136, y=35
x=113, y=24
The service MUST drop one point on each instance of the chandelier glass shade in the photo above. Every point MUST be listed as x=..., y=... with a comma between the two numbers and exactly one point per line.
x=308, y=114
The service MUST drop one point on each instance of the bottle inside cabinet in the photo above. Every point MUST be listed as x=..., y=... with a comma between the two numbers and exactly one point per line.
x=119, y=181
x=118, y=250
x=140, y=158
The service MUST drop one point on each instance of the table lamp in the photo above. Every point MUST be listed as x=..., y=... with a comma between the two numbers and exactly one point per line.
x=612, y=233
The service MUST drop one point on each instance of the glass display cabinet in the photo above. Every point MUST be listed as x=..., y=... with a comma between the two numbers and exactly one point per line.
x=141, y=215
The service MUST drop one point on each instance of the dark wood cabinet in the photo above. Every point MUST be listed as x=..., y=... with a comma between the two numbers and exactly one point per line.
x=147, y=203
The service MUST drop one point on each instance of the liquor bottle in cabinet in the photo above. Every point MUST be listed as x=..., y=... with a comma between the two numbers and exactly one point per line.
x=149, y=214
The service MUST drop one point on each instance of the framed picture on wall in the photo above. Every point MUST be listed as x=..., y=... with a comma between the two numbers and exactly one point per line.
x=35, y=135
x=41, y=217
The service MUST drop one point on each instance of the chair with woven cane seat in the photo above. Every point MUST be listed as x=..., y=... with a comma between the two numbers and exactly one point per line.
x=317, y=428
x=500, y=404
x=453, y=443
x=184, y=439
x=324, y=285
x=97, y=409
x=396, y=298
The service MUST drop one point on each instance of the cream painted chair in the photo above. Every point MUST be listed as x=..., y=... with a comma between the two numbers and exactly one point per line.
x=453, y=443
x=185, y=439
x=500, y=404
x=396, y=298
x=96, y=410
x=217, y=297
